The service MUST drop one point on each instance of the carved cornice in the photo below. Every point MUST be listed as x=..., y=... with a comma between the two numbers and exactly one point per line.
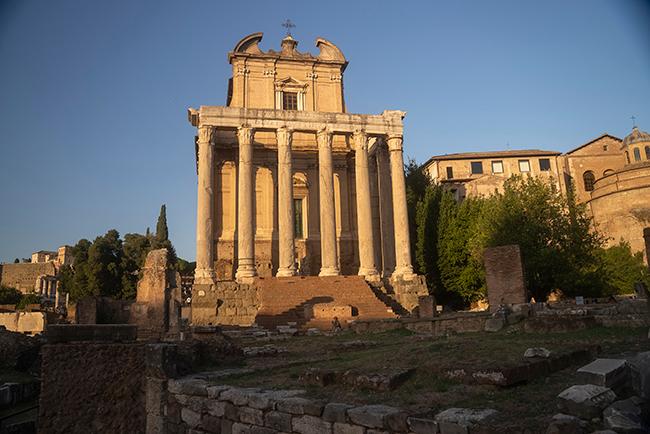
x=360, y=139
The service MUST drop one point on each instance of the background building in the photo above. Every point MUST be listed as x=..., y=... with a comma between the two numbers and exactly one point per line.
x=611, y=176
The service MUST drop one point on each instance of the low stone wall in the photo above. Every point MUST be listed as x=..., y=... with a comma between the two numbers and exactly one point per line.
x=226, y=303
x=437, y=326
x=24, y=322
x=195, y=406
x=92, y=387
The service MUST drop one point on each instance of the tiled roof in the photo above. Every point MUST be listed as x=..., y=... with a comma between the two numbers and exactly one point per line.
x=493, y=154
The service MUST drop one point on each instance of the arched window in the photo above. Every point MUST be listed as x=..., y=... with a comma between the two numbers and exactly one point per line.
x=647, y=152
x=589, y=179
x=637, y=154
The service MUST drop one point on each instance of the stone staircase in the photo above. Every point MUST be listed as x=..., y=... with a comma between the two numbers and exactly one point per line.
x=295, y=299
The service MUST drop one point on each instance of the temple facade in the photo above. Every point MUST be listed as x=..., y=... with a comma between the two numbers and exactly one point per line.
x=291, y=184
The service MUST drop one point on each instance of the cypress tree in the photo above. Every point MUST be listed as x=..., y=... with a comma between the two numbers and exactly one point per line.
x=162, y=233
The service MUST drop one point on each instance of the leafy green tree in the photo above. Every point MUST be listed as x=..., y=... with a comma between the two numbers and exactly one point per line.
x=620, y=269
x=65, y=279
x=79, y=288
x=416, y=185
x=426, y=243
x=135, y=248
x=16, y=261
x=9, y=295
x=553, y=232
x=105, y=265
x=184, y=267
x=461, y=270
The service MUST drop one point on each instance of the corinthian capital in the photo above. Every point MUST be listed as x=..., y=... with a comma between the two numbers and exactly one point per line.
x=395, y=142
x=206, y=134
x=324, y=138
x=284, y=136
x=245, y=135
x=360, y=140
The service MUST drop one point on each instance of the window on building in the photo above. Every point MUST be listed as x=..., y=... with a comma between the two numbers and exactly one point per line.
x=290, y=100
x=477, y=167
x=450, y=173
x=605, y=148
x=524, y=166
x=297, y=219
x=544, y=164
x=589, y=180
x=647, y=152
x=637, y=154
x=497, y=167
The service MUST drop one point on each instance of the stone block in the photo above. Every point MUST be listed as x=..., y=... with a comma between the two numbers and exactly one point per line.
x=62, y=333
x=211, y=424
x=251, y=416
x=379, y=416
x=226, y=426
x=640, y=374
x=419, y=425
x=310, y=425
x=566, y=424
x=237, y=396
x=215, y=391
x=296, y=405
x=494, y=324
x=278, y=421
x=612, y=373
x=240, y=428
x=155, y=396
x=504, y=276
x=626, y=416
x=188, y=386
x=216, y=408
x=191, y=418
x=537, y=352
x=426, y=306
x=336, y=412
x=463, y=418
x=344, y=428
x=585, y=401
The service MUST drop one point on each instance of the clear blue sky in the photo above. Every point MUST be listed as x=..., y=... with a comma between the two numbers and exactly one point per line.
x=93, y=94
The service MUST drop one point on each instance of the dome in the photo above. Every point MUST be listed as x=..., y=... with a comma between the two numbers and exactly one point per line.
x=636, y=136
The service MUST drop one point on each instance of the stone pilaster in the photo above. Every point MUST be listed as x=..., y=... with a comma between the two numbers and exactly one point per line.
x=385, y=210
x=245, y=219
x=204, y=273
x=646, y=237
x=403, y=268
x=287, y=262
x=364, y=214
x=329, y=257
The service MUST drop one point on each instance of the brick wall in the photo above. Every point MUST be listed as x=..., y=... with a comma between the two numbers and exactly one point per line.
x=92, y=387
x=23, y=276
x=504, y=275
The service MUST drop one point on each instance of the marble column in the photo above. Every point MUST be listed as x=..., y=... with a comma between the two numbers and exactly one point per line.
x=287, y=262
x=204, y=273
x=245, y=218
x=364, y=214
x=328, y=251
x=385, y=210
x=403, y=268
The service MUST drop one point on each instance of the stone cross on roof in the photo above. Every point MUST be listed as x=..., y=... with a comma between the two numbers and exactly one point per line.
x=288, y=25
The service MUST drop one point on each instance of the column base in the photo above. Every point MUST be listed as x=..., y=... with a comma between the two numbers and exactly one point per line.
x=329, y=271
x=403, y=273
x=370, y=274
x=285, y=272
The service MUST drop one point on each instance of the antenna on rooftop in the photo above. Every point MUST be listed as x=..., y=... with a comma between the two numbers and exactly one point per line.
x=288, y=25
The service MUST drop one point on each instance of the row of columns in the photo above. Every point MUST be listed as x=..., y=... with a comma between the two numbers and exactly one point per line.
x=245, y=222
